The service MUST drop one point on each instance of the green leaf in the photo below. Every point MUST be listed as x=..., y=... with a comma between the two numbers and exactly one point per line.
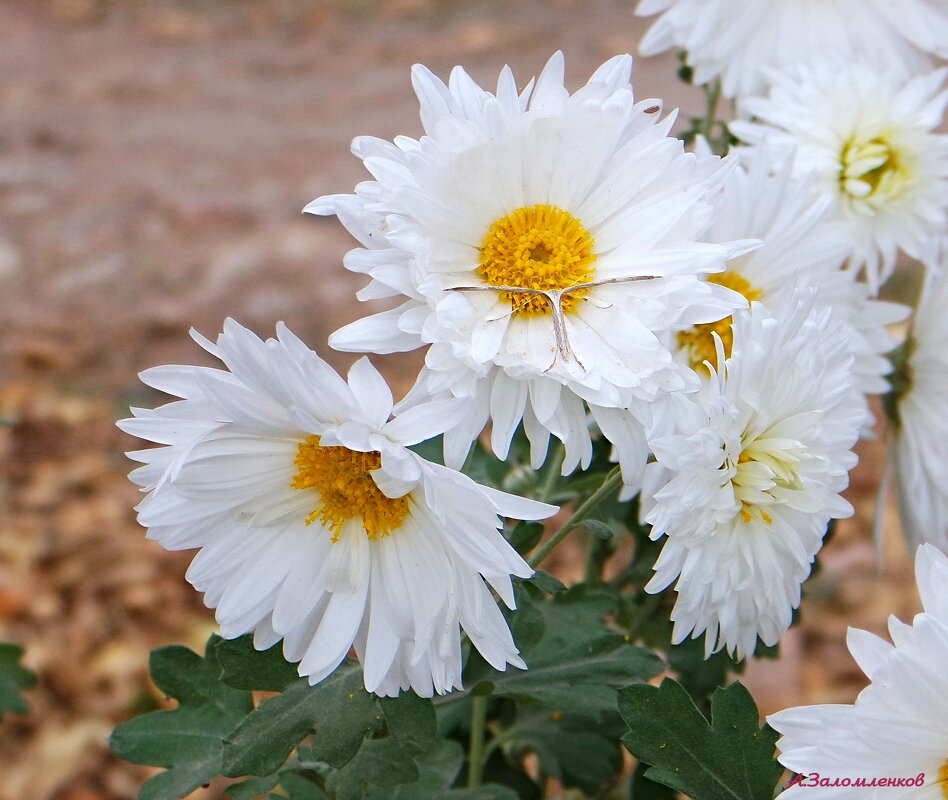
x=599, y=529
x=253, y=788
x=577, y=751
x=431, y=450
x=732, y=758
x=410, y=718
x=701, y=676
x=298, y=787
x=338, y=712
x=188, y=740
x=245, y=667
x=13, y=680
x=546, y=582
x=576, y=662
x=525, y=536
x=379, y=762
x=641, y=788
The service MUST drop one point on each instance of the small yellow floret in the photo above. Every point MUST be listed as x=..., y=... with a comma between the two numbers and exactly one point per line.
x=698, y=342
x=537, y=247
x=346, y=489
x=874, y=171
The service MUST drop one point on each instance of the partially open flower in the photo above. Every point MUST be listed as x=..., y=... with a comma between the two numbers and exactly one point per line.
x=869, y=139
x=745, y=487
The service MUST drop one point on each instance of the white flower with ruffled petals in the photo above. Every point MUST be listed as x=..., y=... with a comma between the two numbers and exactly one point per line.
x=316, y=525
x=897, y=730
x=801, y=247
x=738, y=40
x=920, y=427
x=542, y=241
x=745, y=487
x=869, y=137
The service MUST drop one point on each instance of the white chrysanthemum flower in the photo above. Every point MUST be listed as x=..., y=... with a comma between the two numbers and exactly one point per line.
x=869, y=139
x=316, y=525
x=898, y=727
x=745, y=488
x=737, y=40
x=920, y=427
x=542, y=239
x=801, y=247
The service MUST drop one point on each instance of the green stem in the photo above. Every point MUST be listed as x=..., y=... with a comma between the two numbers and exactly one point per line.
x=552, y=472
x=612, y=482
x=475, y=770
x=713, y=95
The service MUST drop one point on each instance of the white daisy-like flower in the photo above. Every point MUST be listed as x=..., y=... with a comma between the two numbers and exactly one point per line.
x=737, y=40
x=897, y=730
x=801, y=247
x=745, y=488
x=869, y=138
x=542, y=241
x=919, y=408
x=316, y=525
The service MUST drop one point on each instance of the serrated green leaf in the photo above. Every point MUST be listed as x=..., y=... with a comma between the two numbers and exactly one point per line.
x=701, y=676
x=410, y=718
x=338, y=712
x=187, y=741
x=13, y=680
x=577, y=751
x=577, y=663
x=641, y=788
x=379, y=762
x=730, y=758
x=438, y=768
x=245, y=667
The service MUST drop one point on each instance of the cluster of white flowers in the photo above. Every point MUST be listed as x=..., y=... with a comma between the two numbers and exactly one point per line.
x=571, y=268
x=893, y=741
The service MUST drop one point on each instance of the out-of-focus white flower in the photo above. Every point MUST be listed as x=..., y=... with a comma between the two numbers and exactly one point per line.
x=868, y=136
x=542, y=241
x=919, y=440
x=745, y=488
x=898, y=726
x=801, y=247
x=316, y=525
x=737, y=40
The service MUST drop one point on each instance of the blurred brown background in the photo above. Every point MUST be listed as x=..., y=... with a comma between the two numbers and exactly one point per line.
x=154, y=158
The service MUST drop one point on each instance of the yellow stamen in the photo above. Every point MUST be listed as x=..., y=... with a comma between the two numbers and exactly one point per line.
x=873, y=171
x=346, y=489
x=537, y=247
x=943, y=779
x=698, y=342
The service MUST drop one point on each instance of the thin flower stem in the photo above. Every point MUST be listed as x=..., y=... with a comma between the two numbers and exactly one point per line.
x=711, y=114
x=475, y=769
x=553, y=468
x=609, y=485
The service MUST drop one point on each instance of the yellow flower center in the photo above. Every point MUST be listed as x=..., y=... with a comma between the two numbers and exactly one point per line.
x=697, y=342
x=346, y=489
x=873, y=171
x=766, y=464
x=538, y=247
x=943, y=779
